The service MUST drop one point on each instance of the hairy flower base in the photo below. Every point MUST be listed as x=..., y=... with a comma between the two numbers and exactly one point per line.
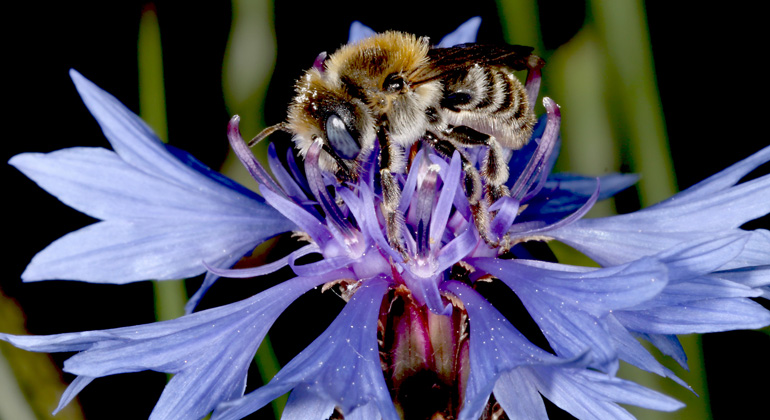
x=417, y=337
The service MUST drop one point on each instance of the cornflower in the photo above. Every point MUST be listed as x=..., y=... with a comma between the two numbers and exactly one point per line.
x=417, y=337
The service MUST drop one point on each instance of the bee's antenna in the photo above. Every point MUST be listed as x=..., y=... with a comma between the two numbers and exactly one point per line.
x=268, y=131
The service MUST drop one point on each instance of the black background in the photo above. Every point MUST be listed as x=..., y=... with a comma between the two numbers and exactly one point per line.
x=708, y=71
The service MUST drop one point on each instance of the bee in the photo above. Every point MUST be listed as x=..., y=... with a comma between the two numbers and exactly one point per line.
x=393, y=88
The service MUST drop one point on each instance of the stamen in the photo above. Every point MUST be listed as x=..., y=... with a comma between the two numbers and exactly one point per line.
x=533, y=83
x=534, y=170
x=242, y=273
x=424, y=206
x=451, y=179
x=247, y=158
x=579, y=213
x=506, y=210
x=318, y=64
x=282, y=176
x=295, y=172
x=336, y=221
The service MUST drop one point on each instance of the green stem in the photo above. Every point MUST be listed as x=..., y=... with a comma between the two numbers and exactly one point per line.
x=170, y=295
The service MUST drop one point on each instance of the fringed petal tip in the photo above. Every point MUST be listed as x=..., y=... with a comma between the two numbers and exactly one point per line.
x=359, y=31
x=464, y=33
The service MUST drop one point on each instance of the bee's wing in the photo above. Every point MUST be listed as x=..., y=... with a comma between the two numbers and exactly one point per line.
x=444, y=60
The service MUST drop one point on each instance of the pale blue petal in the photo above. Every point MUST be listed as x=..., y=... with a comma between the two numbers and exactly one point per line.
x=594, y=291
x=164, y=212
x=586, y=394
x=495, y=347
x=341, y=366
x=564, y=194
x=464, y=33
x=705, y=287
x=204, y=374
x=594, y=395
x=618, y=239
x=99, y=183
x=632, y=351
x=304, y=405
x=133, y=140
x=702, y=316
x=689, y=267
x=359, y=31
x=122, y=251
x=756, y=253
x=72, y=391
x=755, y=277
x=568, y=306
x=723, y=179
x=518, y=398
x=669, y=345
x=692, y=259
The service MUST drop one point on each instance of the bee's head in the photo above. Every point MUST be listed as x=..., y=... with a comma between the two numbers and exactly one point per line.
x=345, y=98
x=344, y=123
x=379, y=71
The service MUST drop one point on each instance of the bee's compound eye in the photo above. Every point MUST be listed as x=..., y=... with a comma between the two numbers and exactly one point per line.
x=340, y=139
x=393, y=83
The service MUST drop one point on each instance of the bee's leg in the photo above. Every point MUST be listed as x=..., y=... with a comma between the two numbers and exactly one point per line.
x=471, y=183
x=391, y=191
x=494, y=168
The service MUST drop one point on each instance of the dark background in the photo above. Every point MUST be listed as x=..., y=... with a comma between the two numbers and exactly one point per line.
x=708, y=73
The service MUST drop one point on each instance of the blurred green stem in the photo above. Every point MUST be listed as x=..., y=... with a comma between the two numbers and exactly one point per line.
x=622, y=26
x=170, y=295
x=519, y=19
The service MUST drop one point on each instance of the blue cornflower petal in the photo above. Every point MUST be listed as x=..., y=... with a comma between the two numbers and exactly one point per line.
x=724, y=179
x=711, y=207
x=563, y=194
x=359, y=31
x=464, y=33
x=583, y=186
x=204, y=374
x=495, y=347
x=583, y=393
x=569, y=303
x=304, y=405
x=690, y=267
x=701, y=316
x=669, y=345
x=163, y=212
x=695, y=299
x=341, y=366
x=630, y=350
